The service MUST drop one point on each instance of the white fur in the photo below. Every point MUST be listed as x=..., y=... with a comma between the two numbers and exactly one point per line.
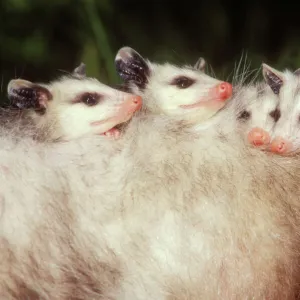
x=165, y=98
x=288, y=126
x=195, y=217
x=161, y=97
x=247, y=99
x=67, y=120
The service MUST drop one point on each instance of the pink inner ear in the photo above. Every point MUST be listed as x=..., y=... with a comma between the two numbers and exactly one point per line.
x=124, y=54
x=43, y=100
x=43, y=95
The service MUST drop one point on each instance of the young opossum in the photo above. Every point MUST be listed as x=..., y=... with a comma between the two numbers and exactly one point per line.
x=185, y=91
x=73, y=105
x=197, y=218
x=255, y=109
x=286, y=134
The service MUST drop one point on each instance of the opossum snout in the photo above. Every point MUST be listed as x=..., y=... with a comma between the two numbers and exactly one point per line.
x=132, y=103
x=223, y=91
x=280, y=145
x=258, y=137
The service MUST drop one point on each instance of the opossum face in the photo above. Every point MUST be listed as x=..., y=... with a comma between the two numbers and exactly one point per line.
x=256, y=113
x=286, y=135
x=74, y=106
x=187, y=91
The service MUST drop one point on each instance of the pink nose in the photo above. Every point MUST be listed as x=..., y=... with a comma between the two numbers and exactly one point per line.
x=224, y=90
x=280, y=145
x=133, y=102
x=258, y=137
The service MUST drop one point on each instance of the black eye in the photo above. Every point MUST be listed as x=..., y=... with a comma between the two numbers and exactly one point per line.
x=183, y=82
x=90, y=99
x=275, y=114
x=244, y=115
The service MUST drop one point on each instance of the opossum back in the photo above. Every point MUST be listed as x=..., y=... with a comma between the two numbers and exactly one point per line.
x=241, y=204
x=168, y=212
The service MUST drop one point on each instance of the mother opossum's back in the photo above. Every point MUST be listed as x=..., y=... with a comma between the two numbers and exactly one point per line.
x=224, y=224
x=28, y=185
x=245, y=225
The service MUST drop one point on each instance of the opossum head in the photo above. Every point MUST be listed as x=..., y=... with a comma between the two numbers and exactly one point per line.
x=286, y=135
x=73, y=105
x=256, y=112
x=186, y=91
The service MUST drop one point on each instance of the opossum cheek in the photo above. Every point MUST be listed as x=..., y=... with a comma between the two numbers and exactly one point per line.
x=258, y=137
x=222, y=91
x=281, y=146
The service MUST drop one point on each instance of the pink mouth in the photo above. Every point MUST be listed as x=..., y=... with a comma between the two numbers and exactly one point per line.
x=125, y=112
x=215, y=98
x=112, y=133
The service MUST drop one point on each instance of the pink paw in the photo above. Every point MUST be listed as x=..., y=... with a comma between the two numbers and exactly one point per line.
x=112, y=133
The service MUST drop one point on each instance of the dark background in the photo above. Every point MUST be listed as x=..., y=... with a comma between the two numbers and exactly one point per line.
x=41, y=39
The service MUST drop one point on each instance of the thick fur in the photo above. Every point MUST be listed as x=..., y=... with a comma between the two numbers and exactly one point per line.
x=252, y=105
x=59, y=109
x=288, y=125
x=156, y=84
x=163, y=213
x=15, y=125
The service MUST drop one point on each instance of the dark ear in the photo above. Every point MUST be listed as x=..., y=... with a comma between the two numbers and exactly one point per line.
x=297, y=72
x=273, y=78
x=200, y=64
x=80, y=71
x=132, y=67
x=24, y=94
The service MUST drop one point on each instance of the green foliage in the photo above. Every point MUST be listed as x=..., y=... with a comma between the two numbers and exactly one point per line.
x=39, y=37
x=101, y=40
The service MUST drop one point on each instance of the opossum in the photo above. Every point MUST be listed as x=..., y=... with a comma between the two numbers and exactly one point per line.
x=162, y=213
x=286, y=134
x=253, y=110
x=74, y=105
x=185, y=91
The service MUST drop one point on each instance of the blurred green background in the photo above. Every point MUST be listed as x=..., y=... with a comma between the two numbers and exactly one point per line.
x=42, y=39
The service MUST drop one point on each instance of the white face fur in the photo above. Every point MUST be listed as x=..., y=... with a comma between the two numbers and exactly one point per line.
x=256, y=112
x=286, y=134
x=166, y=89
x=74, y=106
